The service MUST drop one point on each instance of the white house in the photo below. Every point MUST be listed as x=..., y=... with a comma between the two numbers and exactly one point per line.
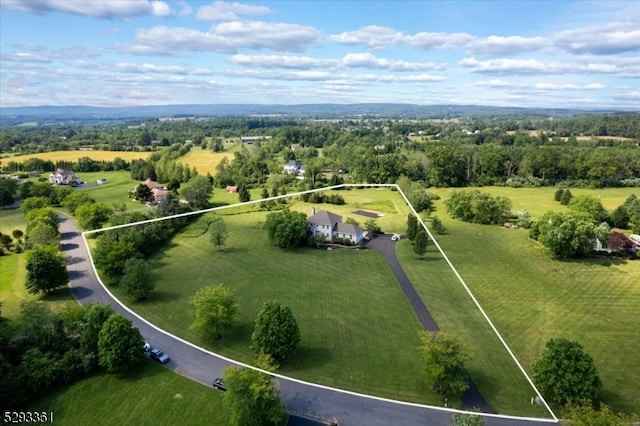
x=64, y=177
x=293, y=167
x=329, y=225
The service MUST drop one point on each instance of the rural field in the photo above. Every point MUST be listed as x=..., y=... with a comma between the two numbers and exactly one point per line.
x=531, y=297
x=76, y=154
x=116, y=190
x=151, y=395
x=357, y=326
x=204, y=160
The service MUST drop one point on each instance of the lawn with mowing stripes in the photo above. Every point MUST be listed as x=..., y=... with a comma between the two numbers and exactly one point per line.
x=153, y=395
x=531, y=298
x=357, y=326
x=495, y=373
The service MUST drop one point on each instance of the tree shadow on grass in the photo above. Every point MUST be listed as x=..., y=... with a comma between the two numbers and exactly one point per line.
x=598, y=261
x=159, y=296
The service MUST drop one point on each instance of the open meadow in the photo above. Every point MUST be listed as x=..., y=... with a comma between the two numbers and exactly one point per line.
x=204, y=160
x=77, y=154
x=115, y=190
x=357, y=326
x=532, y=298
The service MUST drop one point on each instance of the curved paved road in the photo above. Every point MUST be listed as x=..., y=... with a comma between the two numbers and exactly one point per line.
x=201, y=366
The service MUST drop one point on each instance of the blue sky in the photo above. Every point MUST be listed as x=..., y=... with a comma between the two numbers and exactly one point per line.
x=575, y=54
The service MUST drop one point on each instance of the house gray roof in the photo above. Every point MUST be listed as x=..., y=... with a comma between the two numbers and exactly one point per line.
x=324, y=217
x=349, y=228
x=294, y=163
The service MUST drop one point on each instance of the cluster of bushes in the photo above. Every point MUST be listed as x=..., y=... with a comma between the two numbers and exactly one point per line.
x=321, y=197
x=478, y=207
x=41, y=348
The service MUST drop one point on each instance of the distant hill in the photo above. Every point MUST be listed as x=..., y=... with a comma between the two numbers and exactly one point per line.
x=15, y=115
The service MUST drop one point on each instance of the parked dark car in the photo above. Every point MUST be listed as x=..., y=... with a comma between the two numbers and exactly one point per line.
x=159, y=356
x=218, y=383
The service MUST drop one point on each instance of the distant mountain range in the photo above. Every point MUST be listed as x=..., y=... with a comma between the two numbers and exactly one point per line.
x=14, y=115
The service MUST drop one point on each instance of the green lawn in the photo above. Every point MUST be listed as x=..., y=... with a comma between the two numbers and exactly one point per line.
x=352, y=314
x=531, y=297
x=115, y=190
x=154, y=395
x=540, y=200
x=358, y=328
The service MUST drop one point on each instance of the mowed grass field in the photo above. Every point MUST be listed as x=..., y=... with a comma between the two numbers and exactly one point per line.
x=204, y=160
x=116, y=190
x=76, y=154
x=152, y=395
x=358, y=329
x=532, y=298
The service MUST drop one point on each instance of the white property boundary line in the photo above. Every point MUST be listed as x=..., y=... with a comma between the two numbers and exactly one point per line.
x=280, y=376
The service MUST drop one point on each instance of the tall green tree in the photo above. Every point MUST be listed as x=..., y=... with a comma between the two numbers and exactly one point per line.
x=243, y=194
x=216, y=309
x=46, y=270
x=443, y=357
x=252, y=398
x=590, y=205
x=276, y=332
x=119, y=344
x=412, y=226
x=286, y=228
x=136, y=279
x=420, y=243
x=93, y=215
x=585, y=415
x=74, y=200
x=197, y=192
x=565, y=373
x=568, y=234
x=218, y=232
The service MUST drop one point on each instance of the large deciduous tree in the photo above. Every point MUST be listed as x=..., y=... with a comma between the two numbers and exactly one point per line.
x=286, y=228
x=93, y=215
x=591, y=205
x=565, y=373
x=443, y=356
x=136, y=279
x=119, y=344
x=46, y=270
x=197, y=192
x=252, y=398
x=568, y=234
x=276, y=332
x=216, y=309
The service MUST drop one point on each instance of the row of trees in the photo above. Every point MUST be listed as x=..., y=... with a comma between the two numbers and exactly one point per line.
x=42, y=348
x=83, y=164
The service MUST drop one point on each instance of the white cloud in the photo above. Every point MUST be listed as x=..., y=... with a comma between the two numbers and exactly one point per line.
x=282, y=61
x=391, y=78
x=372, y=36
x=427, y=40
x=367, y=60
x=511, y=45
x=609, y=39
x=223, y=37
x=223, y=11
x=103, y=9
x=618, y=66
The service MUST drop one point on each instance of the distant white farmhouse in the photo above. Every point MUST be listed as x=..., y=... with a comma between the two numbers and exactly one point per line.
x=293, y=167
x=329, y=225
x=64, y=177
